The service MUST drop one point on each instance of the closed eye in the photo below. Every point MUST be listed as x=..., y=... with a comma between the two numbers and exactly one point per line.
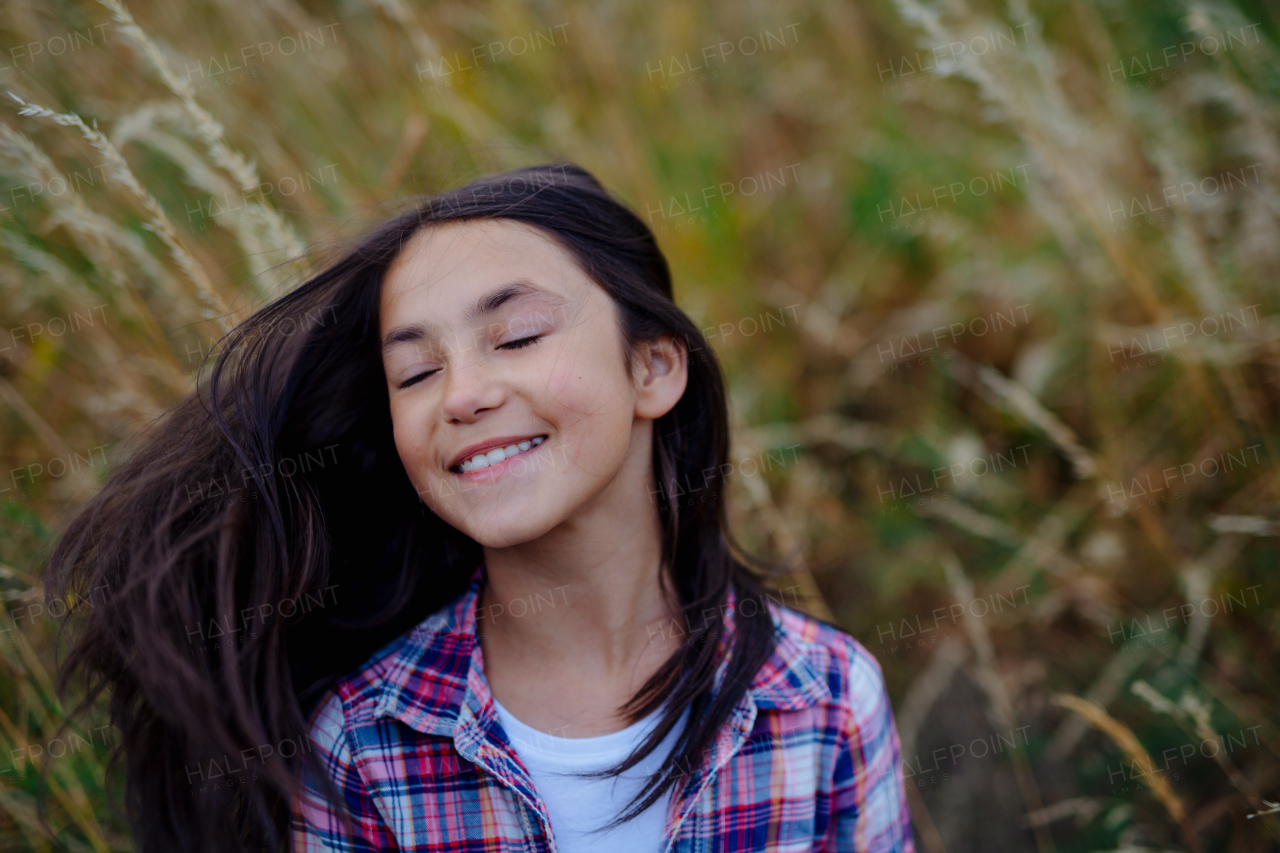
x=523, y=342
x=413, y=380
x=518, y=344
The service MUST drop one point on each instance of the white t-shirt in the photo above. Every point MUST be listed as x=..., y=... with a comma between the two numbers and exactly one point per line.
x=578, y=806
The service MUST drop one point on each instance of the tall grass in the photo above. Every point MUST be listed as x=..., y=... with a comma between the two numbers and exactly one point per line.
x=994, y=258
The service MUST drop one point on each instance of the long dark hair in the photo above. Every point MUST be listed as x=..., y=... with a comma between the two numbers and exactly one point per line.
x=276, y=486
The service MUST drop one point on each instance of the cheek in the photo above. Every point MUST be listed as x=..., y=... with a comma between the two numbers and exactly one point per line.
x=409, y=437
x=587, y=379
x=585, y=390
x=594, y=411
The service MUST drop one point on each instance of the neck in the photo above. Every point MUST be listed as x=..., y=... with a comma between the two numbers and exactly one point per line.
x=602, y=612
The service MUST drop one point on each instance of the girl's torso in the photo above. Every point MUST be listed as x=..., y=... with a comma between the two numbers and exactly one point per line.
x=808, y=760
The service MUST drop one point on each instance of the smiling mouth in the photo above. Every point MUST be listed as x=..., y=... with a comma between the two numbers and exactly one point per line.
x=497, y=455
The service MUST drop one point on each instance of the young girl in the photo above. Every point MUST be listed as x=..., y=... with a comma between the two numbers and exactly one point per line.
x=437, y=559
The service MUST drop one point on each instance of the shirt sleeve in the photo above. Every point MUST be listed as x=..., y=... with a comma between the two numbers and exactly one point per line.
x=316, y=824
x=871, y=813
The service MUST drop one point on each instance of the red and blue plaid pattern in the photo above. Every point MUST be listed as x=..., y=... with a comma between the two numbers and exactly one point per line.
x=808, y=761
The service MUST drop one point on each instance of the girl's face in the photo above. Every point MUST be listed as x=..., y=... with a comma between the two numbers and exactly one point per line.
x=510, y=401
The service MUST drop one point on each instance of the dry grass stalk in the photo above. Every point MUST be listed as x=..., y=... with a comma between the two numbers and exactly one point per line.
x=758, y=490
x=243, y=171
x=1193, y=716
x=159, y=224
x=1197, y=578
x=1066, y=142
x=926, y=689
x=1046, y=243
x=997, y=693
x=1132, y=747
x=1100, y=693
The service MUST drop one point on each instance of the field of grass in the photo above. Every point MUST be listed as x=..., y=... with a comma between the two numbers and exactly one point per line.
x=995, y=285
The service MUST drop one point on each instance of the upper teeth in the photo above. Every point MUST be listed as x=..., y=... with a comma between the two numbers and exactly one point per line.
x=493, y=457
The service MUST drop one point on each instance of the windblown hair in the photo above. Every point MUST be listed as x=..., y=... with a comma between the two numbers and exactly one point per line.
x=263, y=539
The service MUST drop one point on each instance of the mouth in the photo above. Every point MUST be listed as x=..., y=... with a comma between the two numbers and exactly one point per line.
x=494, y=454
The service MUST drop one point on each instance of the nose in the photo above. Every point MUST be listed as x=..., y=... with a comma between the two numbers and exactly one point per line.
x=471, y=388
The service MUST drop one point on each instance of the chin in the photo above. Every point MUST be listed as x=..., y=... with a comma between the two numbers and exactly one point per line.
x=505, y=536
x=504, y=528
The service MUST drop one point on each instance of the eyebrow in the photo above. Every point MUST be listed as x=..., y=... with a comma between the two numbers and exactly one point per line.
x=485, y=305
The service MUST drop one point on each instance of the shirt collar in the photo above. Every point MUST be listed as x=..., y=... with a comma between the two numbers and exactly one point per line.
x=435, y=684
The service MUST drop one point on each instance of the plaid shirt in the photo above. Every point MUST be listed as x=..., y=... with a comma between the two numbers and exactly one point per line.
x=808, y=760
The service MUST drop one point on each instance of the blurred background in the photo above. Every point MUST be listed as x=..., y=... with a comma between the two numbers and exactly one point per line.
x=994, y=285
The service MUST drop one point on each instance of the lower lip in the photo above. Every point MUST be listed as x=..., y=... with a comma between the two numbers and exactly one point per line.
x=498, y=469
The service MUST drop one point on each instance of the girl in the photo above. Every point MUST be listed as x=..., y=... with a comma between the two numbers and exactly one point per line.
x=437, y=559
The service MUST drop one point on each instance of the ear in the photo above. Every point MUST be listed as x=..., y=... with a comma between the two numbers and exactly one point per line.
x=661, y=377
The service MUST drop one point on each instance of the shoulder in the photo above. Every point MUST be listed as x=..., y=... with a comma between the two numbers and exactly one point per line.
x=425, y=666
x=851, y=674
x=858, y=734
x=354, y=697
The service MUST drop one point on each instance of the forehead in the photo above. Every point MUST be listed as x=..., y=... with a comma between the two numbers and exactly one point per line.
x=453, y=260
